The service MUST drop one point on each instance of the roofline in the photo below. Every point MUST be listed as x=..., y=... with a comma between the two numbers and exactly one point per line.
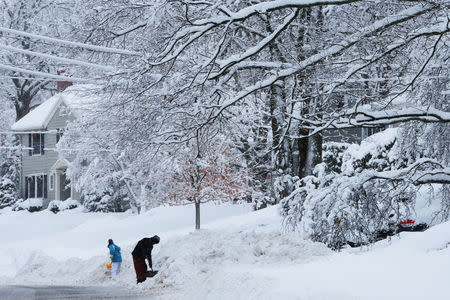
x=46, y=122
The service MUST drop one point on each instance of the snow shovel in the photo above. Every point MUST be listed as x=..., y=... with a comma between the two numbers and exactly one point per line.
x=151, y=273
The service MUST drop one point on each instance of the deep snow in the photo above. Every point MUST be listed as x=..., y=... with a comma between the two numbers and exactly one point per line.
x=239, y=254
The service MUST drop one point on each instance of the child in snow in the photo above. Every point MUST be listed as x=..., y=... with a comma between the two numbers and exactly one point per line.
x=142, y=251
x=116, y=258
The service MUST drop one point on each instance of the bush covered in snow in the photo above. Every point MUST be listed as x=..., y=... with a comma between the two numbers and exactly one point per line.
x=9, y=166
x=108, y=200
x=31, y=204
x=332, y=153
x=379, y=152
x=260, y=200
x=58, y=205
x=8, y=192
x=101, y=185
x=355, y=203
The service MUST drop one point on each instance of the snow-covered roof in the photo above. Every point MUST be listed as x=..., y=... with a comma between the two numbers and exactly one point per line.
x=78, y=98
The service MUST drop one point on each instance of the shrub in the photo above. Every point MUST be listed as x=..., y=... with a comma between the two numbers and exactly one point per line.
x=57, y=205
x=8, y=192
x=32, y=204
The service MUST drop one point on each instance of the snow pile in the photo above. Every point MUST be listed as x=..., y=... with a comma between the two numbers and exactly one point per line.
x=239, y=255
x=413, y=266
x=78, y=236
x=207, y=254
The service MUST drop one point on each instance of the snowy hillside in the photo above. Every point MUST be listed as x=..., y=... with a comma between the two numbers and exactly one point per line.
x=238, y=255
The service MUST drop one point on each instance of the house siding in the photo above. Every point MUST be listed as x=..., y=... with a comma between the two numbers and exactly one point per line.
x=348, y=135
x=41, y=164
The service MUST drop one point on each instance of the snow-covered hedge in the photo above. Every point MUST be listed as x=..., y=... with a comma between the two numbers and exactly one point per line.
x=58, y=205
x=8, y=192
x=31, y=204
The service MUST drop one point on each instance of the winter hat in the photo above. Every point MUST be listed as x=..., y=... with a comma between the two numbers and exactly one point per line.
x=156, y=239
x=110, y=241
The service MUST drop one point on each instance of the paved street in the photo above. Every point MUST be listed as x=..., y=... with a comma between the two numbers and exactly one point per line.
x=22, y=292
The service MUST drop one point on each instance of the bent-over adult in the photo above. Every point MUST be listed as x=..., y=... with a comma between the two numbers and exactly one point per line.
x=142, y=251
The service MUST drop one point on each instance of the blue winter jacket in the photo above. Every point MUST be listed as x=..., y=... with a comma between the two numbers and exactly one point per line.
x=114, y=250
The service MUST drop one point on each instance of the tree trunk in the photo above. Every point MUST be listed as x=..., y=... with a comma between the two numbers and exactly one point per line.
x=22, y=104
x=314, y=154
x=197, y=215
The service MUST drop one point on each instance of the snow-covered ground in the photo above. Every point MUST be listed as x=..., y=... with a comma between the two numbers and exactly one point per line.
x=239, y=254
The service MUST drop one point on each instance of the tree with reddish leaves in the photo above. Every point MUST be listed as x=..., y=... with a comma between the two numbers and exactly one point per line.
x=203, y=169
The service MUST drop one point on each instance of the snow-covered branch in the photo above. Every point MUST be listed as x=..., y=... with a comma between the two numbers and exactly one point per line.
x=185, y=37
x=367, y=118
x=438, y=30
x=417, y=173
x=236, y=58
x=331, y=51
x=68, y=43
x=43, y=74
x=57, y=58
x=268, y=6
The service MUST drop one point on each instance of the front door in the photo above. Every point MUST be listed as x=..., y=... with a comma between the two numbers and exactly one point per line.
x=64, y=188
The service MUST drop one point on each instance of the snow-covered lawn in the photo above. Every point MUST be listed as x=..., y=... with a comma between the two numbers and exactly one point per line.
x=239, y=254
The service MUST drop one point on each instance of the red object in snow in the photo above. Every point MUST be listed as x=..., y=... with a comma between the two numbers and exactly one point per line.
x=409, y=221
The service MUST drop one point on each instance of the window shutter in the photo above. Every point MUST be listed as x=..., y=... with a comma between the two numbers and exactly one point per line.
x=26, y=187
x=42, y=143
x=30, y=152
x=45, y=186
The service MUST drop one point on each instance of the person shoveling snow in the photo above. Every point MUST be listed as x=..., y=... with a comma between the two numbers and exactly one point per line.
x=142, y=251
x=116, y=258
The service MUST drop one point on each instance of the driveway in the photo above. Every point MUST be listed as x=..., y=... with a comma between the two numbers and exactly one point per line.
x=23, y=292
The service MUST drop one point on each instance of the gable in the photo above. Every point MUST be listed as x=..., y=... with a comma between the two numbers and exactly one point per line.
x=38, y=118
x=75, y=100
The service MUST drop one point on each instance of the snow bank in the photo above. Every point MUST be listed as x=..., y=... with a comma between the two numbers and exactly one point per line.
x=211, y=264
x=72, y=234
x=238, y=255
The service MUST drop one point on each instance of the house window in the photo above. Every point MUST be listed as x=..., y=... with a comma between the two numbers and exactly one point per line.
x=59, y=134
x=32, y=187
x=52, y=182
x=36, y=186
x=36, y=143
x=372, y=130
